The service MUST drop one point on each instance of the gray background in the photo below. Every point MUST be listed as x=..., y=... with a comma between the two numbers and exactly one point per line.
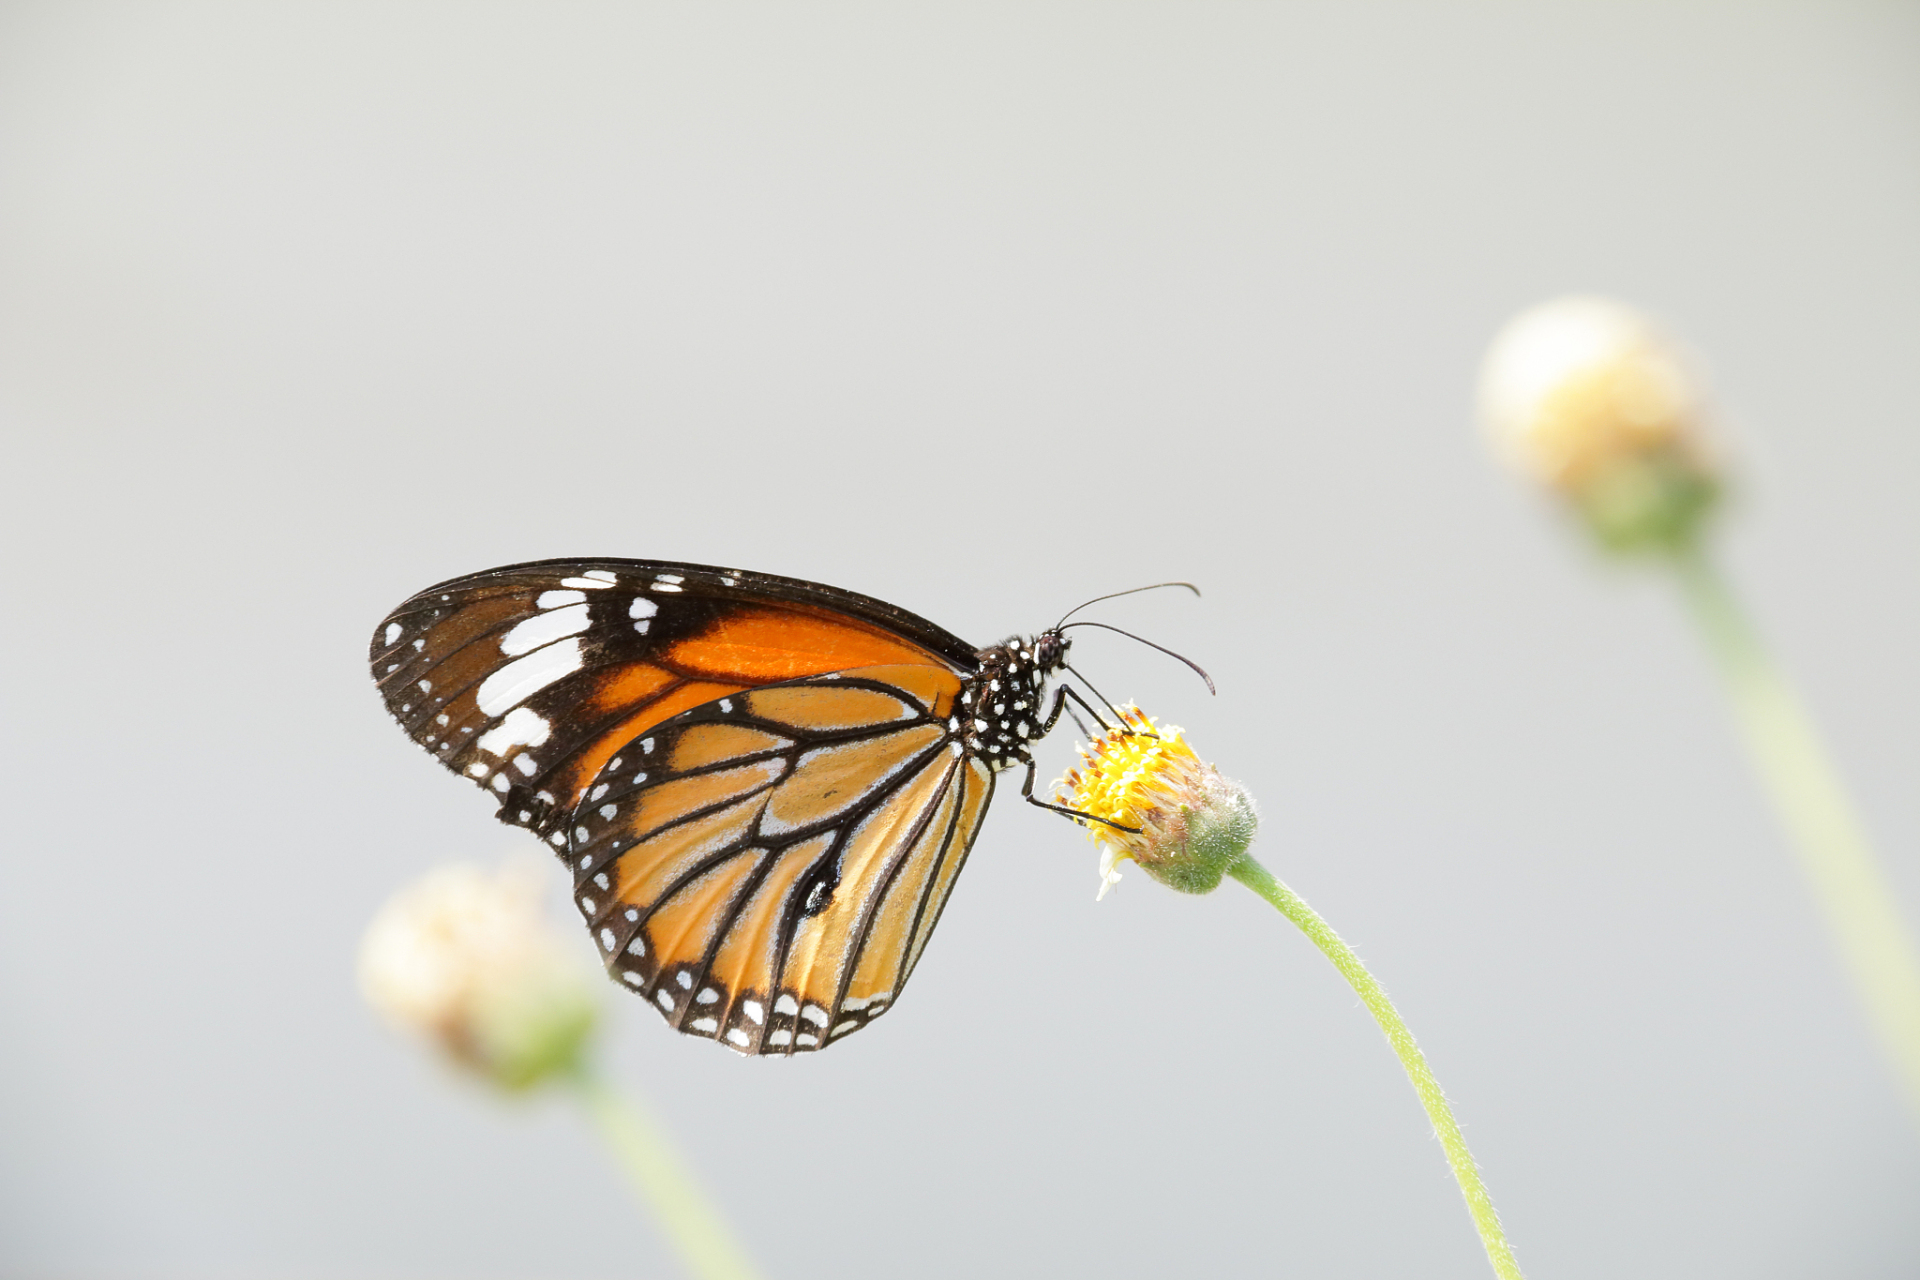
x=981, y=309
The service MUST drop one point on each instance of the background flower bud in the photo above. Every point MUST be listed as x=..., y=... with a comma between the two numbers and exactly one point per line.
x=466, y=959
x=1591, y=399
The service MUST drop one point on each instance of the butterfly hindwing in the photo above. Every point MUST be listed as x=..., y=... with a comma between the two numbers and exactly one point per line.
x=765, y=868
x=529, y=679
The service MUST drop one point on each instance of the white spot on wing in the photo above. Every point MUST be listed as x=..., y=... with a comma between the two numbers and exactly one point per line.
x=753, y=1010
x=739, y=1037
x=545, y=628
x=786, y=1004
x=638, y=946
x=521, y=726
x=633, y=976
x=815, y=1014
x=393, y=632
x=705, y=1024
x=665, y=1000
x=642, y=608
x=593, y=582
x=523, y=677
x=555, y=599
x=782, y=1036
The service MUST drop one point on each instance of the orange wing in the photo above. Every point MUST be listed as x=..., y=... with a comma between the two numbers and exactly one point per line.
x=528, y=680
x=766, y=868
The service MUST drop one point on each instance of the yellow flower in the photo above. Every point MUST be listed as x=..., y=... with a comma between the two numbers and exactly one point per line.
x=1592, y=400
x=1186, y=824
x=467, y=960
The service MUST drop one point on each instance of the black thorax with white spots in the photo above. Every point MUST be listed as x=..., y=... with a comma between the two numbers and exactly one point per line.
x=1000, y=712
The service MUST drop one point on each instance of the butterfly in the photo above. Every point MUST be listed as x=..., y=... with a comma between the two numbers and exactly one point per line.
x=764, y=787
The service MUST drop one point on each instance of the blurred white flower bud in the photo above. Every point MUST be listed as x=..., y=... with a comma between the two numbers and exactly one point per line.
x=1592, y=400
x=468, y=960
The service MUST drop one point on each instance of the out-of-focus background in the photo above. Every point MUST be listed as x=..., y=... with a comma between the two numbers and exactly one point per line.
x=982, y=309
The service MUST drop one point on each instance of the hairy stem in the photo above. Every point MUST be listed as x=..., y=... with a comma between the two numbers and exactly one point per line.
x=1479, y=1203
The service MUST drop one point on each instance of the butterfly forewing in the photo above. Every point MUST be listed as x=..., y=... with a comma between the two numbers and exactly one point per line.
x=529, y=680
x=765, y=867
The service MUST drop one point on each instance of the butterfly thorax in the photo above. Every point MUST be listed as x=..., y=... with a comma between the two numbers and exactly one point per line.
x=1001, y=706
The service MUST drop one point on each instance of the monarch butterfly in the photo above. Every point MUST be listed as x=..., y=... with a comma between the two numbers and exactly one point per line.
x=764, y=787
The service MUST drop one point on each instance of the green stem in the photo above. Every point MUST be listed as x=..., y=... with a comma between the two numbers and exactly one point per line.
x=1806, y=790
x=664, y=1182
x=1257, y=878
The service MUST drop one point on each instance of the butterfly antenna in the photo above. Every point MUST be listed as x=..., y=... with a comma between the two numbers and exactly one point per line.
x=1128, y=592
x=1198, y=669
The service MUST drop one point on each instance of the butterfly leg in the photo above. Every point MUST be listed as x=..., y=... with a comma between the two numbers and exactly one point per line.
x=1066, y=691
x=1060, y=696
x=1026, y=793
x=1125, y=728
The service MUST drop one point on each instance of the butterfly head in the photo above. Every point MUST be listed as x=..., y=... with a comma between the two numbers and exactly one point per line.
x=1050, y=651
